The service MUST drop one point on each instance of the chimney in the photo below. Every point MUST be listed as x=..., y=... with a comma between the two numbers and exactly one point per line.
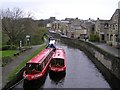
x=97, y=18
x=76, y=18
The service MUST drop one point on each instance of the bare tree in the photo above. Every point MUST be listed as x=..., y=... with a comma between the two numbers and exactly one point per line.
x=16, y=26
x=12, y=24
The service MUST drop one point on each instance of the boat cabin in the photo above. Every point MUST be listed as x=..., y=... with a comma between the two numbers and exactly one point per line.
x=38, y=65
x=33, y=68
x=58, y=60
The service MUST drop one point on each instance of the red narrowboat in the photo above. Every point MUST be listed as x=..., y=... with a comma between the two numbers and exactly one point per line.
x=37, y=66
x=58, y=61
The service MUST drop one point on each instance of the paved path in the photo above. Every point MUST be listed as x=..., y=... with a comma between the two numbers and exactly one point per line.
x=110, y=49
x=17, y=60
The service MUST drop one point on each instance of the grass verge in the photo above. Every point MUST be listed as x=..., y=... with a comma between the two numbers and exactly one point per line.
x=20, y=66
x=7, y=53
x=6, y=56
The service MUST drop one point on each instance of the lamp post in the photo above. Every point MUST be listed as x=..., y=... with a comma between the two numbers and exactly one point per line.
x=27, y=40
x=20, y=44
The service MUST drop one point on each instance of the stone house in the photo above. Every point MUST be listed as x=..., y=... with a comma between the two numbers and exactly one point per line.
x=64, y=27
x=101, y=29
x=71, y=28
x=113, y=33
x=76, y=30
x=109, y=30
x=56, y=26
x=60, y=26
x=90, y=25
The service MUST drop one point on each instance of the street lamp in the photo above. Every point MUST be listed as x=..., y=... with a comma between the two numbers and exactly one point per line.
x=20, y=44
x=27, y=40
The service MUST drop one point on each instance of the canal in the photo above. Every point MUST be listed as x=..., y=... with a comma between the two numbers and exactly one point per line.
x=80, y=72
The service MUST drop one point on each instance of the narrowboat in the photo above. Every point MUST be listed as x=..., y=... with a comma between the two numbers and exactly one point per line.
x=58, y=61
x=38, y=66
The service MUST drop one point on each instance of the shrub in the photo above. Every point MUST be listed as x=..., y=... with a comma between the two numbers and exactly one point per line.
x=91, y=37
x=8, y=47
x=97, y=38
x=94, y=38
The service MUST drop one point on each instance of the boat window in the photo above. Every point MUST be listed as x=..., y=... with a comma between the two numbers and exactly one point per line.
x=36, y=66
x=48, y=57
x=57, y=61
x=53, y=62
x=46, y=60
x=33, y=68
x=43, y=64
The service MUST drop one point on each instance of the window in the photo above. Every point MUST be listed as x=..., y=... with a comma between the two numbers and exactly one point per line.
x=33, y=66
x=57, y=61
x=48, y=57
x=113, y=27
x=42, y=65
x=106, y=25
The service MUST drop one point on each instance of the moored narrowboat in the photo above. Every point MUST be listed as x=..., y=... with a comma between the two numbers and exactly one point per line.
x=58, y=61
x=38, y=66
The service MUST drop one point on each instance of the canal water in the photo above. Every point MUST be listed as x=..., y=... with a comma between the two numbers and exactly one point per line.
x=80, y=72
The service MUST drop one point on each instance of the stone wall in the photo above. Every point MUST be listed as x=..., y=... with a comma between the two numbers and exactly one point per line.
x=108, y=64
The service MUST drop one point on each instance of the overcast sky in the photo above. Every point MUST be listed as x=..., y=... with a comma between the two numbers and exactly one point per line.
x=83, y=9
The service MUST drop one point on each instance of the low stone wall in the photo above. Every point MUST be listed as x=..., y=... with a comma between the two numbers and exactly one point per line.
x=108, y=64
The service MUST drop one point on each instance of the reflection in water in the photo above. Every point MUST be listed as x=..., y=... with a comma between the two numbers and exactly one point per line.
x=57, y=77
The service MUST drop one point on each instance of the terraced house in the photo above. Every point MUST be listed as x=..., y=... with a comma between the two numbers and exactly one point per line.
x=101, y=29
x=108, y=30
x=77, y=30
x=60, y=26
x=113, y=33
x=73, y=28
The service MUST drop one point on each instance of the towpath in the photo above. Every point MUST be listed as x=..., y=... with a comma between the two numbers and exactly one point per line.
x=16, y=61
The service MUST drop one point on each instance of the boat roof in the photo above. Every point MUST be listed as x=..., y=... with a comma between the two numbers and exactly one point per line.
x=41, y=56
x=59, y=53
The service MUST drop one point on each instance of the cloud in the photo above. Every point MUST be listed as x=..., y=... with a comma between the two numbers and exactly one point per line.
x=65, y=8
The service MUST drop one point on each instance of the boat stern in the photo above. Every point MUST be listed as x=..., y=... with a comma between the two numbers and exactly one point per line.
x=30, y=77
x=57, y=69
